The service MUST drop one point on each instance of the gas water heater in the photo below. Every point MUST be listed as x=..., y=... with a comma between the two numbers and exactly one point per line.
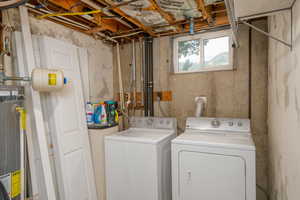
x=11, y=97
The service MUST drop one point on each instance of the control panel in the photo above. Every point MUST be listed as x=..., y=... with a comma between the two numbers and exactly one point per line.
x=153, y=122
x=218, y=124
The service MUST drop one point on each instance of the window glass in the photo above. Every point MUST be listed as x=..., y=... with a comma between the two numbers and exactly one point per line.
x=189, y=55
x=216, y=51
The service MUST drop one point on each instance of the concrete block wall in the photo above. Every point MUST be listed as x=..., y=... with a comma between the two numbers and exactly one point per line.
x=228, y=92
x=284, y=106
x=100, y=55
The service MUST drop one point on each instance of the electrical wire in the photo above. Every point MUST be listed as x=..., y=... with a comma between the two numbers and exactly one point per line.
x=69, y=14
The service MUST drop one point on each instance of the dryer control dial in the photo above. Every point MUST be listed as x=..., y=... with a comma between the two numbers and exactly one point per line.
x=215, y=123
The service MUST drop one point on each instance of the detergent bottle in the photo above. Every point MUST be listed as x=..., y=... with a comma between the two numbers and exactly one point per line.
x=103, y=114
x=89, y=113
x=97, y=114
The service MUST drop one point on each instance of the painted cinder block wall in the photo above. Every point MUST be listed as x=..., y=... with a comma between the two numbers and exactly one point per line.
x=228, y=92
x=284, y=106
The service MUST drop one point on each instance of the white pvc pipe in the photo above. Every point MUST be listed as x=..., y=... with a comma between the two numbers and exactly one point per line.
x=199, y=107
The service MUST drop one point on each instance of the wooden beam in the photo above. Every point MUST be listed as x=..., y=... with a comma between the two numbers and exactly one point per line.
x=34, y=107
x=95, y=6
x=129, y=18
x=72, y=5
x=167, y=16
x=206, y=13
x=200, y=25
x=103, y=24
x=219, y=21
x=99, y=29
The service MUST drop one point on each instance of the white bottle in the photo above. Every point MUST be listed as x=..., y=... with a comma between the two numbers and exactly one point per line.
x=89, y=113
x=103, y=115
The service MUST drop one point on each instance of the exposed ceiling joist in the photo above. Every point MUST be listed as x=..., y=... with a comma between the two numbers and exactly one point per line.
x=77, y=6
x=95, y=6
x=132, y=17
x=206, y=11
x=129, y=18
x=219, y=21
x=167, y=16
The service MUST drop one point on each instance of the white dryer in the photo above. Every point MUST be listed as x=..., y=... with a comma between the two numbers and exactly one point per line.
x=214, y=159
x=138, y=160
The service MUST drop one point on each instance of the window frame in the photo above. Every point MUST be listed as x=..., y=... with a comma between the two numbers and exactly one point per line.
x=202, y=37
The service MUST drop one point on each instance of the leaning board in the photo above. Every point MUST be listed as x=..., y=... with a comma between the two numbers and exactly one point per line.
x=65, y=116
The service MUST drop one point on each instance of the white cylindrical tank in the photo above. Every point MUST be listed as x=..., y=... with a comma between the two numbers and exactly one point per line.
x=47, y=80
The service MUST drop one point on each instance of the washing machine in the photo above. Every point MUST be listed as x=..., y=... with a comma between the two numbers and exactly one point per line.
x=214, y=159
x=138, y=160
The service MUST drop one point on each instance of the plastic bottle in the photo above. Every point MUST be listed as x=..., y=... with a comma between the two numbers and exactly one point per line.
x=111, y=112
x=103, y=114
x=97, y=114
x=89, y=113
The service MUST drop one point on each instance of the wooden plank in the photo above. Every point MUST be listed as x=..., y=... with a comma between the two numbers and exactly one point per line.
x=201, y=25
x=167, y=16
x=164, y=96
x=222, y=20
x=129, y=18
x=19, y=61
x=205, y=12
x=35, y=109
x=104, y=24
x=109, y=24
x=93, y=5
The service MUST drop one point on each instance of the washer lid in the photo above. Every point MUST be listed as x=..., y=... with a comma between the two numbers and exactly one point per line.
x=142, y=135
x=220, y=140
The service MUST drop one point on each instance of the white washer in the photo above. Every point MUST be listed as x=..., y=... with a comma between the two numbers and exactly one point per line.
x=138, y=160
x=214, y=159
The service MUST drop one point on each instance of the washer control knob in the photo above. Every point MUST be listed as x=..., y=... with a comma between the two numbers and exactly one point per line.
x=240, y=124
x=230, y=123
x=215, y=123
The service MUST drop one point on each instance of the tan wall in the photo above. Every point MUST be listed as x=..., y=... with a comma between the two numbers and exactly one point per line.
x=227, y=91
x=284, y=107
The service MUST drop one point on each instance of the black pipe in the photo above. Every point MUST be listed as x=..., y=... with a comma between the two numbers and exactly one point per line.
x=250, y=72
x=148, y=78
x=145, y=78
x=150, y=83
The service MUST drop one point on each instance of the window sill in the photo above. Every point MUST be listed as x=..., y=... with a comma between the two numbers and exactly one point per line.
x=219, y=69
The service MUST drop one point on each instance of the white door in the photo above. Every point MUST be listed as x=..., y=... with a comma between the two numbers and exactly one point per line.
x=67, y=124
x=204, y=176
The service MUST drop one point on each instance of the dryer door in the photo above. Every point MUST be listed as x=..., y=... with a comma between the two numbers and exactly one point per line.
x=211, y=176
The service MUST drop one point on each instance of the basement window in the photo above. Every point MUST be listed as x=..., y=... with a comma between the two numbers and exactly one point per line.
x=203, y=52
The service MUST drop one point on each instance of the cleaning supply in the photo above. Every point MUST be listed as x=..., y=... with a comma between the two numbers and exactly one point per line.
x=89, y=113
x=111, y=109
x=97, y=114
x=103, y=114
